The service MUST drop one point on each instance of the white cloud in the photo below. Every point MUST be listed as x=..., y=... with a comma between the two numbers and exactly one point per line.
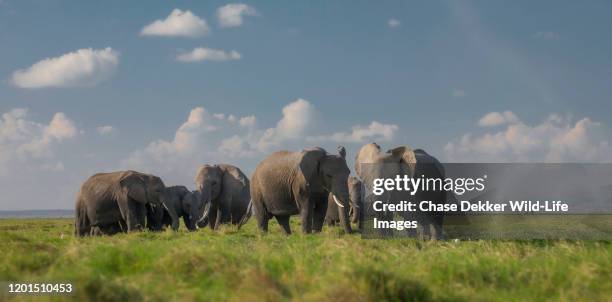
x=459, y=93
x=247, y=121
x=556, y=139
x=106, y=130
x=297, y=117
x=374, y=132
x=208, y=54
x=547, y=35
x=26, y=142
x=224, y=137
x=178, y=24
x=230, y=15
x=83, y=67
x=59, y=129
x=493, y=119
x=186, y=143
x=237, y=146
x=393, y=23
x=204, y=136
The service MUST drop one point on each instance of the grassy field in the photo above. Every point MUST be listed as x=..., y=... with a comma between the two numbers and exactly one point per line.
x=232, y=265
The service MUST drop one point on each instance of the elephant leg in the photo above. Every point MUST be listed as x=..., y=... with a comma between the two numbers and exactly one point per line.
x=262, y=222
x=360, y=217
x=426, y=229
x=260, y=212
x=261, y=215
x=219, y=219
x=212, y=216
x=123, y=226
x=188, y=223
x=136, y=215
x=318, y=216
x=127, y=215
x=237, y=213
x=141, y=215
x=96, y=231
x=438, y=232
x=306, y=215
x=284, y=223
x=225, y=210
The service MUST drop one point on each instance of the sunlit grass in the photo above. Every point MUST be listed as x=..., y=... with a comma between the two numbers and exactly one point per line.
x=243, y=265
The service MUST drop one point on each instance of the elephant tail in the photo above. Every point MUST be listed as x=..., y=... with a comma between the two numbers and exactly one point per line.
x=247, y=215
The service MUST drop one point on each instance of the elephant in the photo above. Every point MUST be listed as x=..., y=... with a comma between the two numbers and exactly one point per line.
x=224, y=190
x=117, y=201
x=355, y=201
x=178, y=202
x=371, y=163
x=290, y=183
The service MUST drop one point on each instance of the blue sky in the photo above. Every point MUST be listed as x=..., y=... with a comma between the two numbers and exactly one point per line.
x=468, y=81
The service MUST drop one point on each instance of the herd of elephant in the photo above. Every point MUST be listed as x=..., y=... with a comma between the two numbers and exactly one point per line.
x=312, y=183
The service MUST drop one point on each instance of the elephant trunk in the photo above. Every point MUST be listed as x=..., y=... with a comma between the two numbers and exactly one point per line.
x=355, y=211
x=204, y=204
x=190, y=224
x=340, y=195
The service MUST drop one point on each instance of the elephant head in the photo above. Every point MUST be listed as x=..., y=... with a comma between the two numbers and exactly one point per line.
x=209, y=182
x=193, y=209
x=143, y=188
x=371, y=163
x=328, y=172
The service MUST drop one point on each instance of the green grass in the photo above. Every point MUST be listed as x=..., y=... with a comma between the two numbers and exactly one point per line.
x=232, y=265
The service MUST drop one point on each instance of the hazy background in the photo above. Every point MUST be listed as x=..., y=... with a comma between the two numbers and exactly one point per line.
x=98, y=86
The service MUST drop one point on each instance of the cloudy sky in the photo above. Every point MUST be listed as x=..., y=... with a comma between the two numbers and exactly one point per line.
x=89, y=86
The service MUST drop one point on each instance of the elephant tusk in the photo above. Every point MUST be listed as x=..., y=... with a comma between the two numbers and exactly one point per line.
x=247, y=214
x=337, y=202
x=205, y=213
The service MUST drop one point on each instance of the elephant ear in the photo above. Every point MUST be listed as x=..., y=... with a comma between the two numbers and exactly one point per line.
x=366, y=155
x=406, y=156
x=309, y=163
x=342, y=151
x=235, y=174
x=134, y=185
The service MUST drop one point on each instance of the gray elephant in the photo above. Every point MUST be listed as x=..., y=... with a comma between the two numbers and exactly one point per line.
x=224, y=190
x=178, y=202
x=355, y=202
x=111, y=202
x=372, y=163
x=290, y=183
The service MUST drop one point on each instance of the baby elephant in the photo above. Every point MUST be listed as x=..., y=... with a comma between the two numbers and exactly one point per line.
x=178, y=202
x=355, y=204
